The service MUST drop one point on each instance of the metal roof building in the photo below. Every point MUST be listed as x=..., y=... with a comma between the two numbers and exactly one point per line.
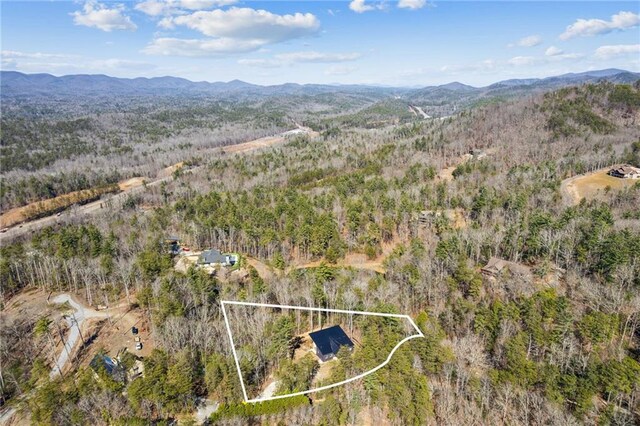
x=329, y=341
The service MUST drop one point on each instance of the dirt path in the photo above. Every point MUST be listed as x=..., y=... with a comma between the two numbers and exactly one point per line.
x=205, y=410
x=265, y=271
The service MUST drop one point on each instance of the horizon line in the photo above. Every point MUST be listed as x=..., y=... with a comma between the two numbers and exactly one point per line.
x=336, y=84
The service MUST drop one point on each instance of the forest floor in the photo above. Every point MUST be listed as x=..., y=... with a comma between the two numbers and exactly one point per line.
x=591, y=186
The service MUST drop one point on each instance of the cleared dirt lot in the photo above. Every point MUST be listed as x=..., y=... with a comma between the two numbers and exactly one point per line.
x=21, y=214
x=446, y=174
x=130, y=183
x=592, y=186
x=108, y=329
x=255, y=144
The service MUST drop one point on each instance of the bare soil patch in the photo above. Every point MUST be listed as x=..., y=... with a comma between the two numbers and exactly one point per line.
x=446, y=174
x=252, y=145
x=43, y=208
x=131, y=183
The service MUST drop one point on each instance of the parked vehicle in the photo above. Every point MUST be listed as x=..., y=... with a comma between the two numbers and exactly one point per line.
x=139, y=346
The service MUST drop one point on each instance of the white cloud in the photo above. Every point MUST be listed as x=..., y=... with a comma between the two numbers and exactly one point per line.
x=287, y=59
x=204, y=4
x=339, y=70
x=261, y=63
x=606, y=52
x=553, y=51
x=359, y=6
x=520, y=61
x=317, y=57
x=529, y=41
x=168, y=7
x=486, y=65
x=94, y=14
x=70, y=64
x=412, y=4
x=35, y=55
x=167, y=46
x=166, y=23
x=250, y=24
x=153, y=8
x=235, y=30
x=121, y=64
x=590, y=27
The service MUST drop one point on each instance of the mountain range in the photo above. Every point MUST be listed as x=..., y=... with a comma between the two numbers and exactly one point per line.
x=17, y=84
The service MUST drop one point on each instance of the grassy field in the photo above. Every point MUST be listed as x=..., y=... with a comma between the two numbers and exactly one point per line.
x=593, y=185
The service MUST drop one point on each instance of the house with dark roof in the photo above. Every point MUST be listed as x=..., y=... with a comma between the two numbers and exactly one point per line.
x=110, y=366
x=214, y=257
x=173, y=244
x=328, y=342
x=625, y=171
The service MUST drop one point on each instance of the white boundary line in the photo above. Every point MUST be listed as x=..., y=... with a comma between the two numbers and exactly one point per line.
x=305, y=308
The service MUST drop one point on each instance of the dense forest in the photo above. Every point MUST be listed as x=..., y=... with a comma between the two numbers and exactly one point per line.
x=556, y=344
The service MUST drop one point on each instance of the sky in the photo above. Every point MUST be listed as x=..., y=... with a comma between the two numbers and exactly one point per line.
x=398, y=43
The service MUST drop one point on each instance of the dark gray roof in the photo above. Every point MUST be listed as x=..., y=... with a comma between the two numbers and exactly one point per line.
x=329, y=340
x=212, y=256
x=111, y=367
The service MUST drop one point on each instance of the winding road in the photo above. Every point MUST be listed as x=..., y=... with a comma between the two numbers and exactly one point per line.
x=75, y=324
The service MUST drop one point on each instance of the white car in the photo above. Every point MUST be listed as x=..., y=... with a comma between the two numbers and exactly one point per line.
x=138, y=346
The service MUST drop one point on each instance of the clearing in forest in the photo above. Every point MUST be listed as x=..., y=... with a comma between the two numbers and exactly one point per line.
x=592, y=186
x=47, y=207
x=282, y=351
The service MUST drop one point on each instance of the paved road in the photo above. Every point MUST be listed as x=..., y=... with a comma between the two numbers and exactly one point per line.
x=75, y=323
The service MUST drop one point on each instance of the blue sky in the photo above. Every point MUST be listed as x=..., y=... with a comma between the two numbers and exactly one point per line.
x=402, y=42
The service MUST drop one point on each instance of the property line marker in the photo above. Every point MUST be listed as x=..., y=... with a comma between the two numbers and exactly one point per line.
x=305, y=308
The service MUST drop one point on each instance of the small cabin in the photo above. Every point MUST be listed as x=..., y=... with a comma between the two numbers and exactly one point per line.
x=328, y=342
x=173, y=244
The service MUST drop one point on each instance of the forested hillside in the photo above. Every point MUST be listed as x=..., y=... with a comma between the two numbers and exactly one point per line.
x=553, y=339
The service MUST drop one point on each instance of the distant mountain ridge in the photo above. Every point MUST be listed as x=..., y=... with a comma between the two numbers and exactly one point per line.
x=25, y=86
